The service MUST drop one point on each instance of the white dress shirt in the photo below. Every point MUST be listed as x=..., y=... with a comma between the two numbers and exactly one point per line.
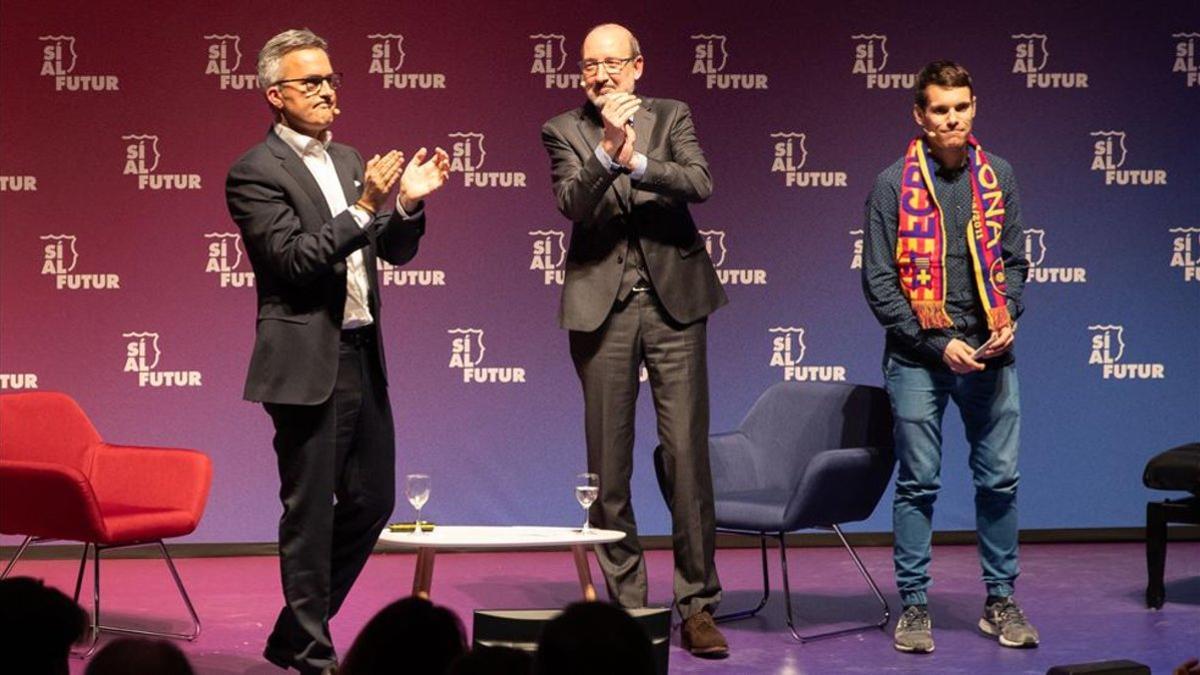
x=638, y=161
x=315, y=156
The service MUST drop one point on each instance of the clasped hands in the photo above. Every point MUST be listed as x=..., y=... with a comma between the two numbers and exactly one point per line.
x=961, y=358
x=617, y=109
x=417, y=179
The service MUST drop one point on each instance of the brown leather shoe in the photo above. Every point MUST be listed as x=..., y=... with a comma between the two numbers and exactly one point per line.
x=701, y=637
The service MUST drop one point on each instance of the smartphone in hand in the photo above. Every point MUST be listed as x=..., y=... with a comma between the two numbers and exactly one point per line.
x=984, y=347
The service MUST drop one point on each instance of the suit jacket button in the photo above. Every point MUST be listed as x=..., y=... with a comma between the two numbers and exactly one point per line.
x=620, y=260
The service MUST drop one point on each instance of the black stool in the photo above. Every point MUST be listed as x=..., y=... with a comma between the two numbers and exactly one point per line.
x=1176, y=469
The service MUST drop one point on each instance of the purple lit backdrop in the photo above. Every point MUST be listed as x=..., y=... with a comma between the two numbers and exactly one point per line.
x=507, y=452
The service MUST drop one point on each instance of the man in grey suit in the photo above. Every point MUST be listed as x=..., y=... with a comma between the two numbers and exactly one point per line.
x=639, y=287
x=313, y=222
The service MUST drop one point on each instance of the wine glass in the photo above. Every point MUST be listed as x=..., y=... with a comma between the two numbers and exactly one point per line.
x=587, y=489
x=416, y=488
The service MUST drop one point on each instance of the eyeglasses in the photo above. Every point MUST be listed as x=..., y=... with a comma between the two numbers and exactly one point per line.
x=612, y=66
x=311, y=86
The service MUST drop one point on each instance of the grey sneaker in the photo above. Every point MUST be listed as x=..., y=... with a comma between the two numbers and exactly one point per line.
x=1006, y=621
x=914, y=631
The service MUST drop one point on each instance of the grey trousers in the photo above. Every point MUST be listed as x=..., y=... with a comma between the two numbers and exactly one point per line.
x=639, y=330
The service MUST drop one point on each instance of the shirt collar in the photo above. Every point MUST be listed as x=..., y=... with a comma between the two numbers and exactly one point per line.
x=301, y=144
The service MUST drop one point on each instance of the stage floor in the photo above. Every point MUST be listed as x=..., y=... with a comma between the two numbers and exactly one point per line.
x=1086, y=599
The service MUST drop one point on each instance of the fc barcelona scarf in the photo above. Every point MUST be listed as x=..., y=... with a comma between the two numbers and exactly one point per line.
x=921, y=241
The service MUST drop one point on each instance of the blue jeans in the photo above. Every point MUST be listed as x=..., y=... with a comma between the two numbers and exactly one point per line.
x=989, y=403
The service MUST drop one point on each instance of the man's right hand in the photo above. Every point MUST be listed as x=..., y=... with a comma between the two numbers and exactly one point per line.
x=618, y=108
x=379, y=177
x=958, y=356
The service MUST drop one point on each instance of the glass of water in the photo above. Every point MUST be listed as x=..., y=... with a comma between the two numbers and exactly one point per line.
x=416, y=488
x=587, y=489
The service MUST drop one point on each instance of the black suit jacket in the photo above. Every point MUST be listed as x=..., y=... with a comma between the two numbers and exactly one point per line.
x=606, y=208
x=298, y=251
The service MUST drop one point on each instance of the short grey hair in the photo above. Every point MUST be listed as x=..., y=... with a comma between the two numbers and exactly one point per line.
x=277, y=47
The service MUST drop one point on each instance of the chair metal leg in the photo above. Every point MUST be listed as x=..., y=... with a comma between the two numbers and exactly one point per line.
x=747, y=613
x=88, y=648
x=96, y=627
x=16, y=556
x=862, y=570
x=82, y=567
x=191, y=635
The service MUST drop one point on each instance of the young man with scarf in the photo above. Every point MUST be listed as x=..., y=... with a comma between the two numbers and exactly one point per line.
x=943, y=271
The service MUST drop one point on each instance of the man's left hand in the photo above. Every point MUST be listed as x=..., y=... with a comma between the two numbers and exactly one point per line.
x=422, y=177
x=625, y=154
x=1002, y=341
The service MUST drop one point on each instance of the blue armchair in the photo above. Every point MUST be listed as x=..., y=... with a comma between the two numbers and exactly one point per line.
x=807, y=455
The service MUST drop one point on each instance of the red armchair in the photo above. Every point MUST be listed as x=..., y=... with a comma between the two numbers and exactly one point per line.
x=60, y=480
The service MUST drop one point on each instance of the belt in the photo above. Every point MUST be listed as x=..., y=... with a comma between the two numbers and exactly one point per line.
x=642, y=287
x=361, y=336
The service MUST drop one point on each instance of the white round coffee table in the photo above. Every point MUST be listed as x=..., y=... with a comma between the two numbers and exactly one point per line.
x=497, y=538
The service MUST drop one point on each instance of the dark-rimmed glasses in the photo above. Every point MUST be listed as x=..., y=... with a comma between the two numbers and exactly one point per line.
x=612, y=66
x=311, y=86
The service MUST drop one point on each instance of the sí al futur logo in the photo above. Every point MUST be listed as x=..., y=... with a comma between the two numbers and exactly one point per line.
x=142, y=356
x=548, y=254
x=225, y=258
x=870, y=59
x=787, y=354
x=466, y=356
x=1108, y=347
x=224, y=58
x=387, y=61
x=1185, y=251
x=710, y=55
x=789, y=155
x=59, y=258
x=1185, y=58
x=1108, y=157
x=467, y=155
x=550, y=62
x=1030, y=59
x=141, y=160
x=58, y=61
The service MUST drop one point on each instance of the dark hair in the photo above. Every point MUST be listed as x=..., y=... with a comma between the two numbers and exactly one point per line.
x=412, y=635
x=594, y=638
x=942, y=74
x=139, y=655
x=37, y=626
x=485, y=660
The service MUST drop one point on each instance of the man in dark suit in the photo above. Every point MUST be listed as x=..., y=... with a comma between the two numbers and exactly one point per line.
x=313, y=223
x=639, y=286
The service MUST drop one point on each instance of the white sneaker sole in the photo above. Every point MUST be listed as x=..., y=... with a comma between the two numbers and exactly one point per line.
x=912, y=650
x=991, y=630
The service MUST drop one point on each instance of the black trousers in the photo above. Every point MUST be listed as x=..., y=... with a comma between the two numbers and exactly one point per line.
x=337, y=484
x=640, y=331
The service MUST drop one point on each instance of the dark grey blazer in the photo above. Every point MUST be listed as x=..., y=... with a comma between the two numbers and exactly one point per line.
x=298, y=252
x=605, y=208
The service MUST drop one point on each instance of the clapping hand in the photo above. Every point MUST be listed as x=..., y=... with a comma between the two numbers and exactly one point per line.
x=378, y=178
x=618, y=108
x=422, y=177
